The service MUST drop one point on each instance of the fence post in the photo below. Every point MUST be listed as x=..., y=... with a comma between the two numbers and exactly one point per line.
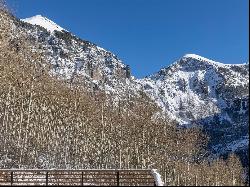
x=82, y=178
x=117, y=178
x=11, y=178
x=47, y=177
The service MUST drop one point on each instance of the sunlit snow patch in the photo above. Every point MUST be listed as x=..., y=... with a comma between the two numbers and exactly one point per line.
x=43, y=22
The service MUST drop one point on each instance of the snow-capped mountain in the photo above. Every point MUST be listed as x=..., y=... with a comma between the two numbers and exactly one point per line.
x=197, y=91
x=193, y=91
x=75, y=60
x=43, y=22
x=190, y=86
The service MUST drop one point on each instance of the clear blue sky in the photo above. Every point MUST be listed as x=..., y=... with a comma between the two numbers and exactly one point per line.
x=151, y=34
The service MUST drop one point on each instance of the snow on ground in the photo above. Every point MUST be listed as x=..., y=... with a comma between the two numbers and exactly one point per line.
x=157, y=177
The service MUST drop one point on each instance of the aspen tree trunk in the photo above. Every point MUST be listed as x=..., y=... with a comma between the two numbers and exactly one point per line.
x=128, y=161
x=234, y=182
x=5, y=117
x=196, y=183
x=29, y=111
x=120, y=158
x=23, y=150
x=178, y=180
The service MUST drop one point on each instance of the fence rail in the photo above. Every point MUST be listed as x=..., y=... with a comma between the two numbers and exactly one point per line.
x=87, y=177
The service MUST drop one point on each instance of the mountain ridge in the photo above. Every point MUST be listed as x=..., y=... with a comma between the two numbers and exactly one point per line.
x=46, y=23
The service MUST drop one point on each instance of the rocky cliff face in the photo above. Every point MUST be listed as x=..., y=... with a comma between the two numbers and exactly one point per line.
x=198, y=91
x=193, y=90
x=195, y=87
x=73, y=59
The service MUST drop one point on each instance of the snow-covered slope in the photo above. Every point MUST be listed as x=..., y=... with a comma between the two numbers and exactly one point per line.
x=197, y=91
x=79, y=61
x=43, y=22
x=200, y=58
x=191, y=85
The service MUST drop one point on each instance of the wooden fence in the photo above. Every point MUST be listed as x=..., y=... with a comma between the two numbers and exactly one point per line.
x=88, y=177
